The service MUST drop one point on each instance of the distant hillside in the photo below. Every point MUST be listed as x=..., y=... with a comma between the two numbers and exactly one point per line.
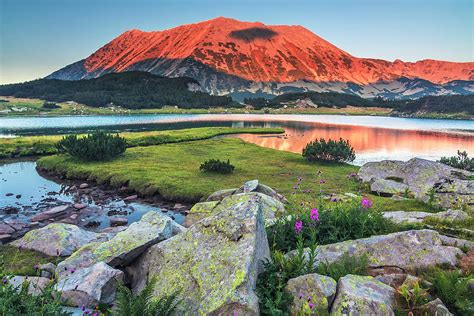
x=439, y=104
x=131, y=90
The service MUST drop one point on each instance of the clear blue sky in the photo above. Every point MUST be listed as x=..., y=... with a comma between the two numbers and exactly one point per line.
x=40, y=36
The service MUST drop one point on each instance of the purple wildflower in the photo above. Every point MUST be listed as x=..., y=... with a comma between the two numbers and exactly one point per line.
x=5, y=280
x=334, y=199
x=36, y=266
x=309, y=298
x=298, y=226
x=366, y=202
x=301, y=296
x=314, y=215
x=322, y=181
x=83, y=307
x=311, y=305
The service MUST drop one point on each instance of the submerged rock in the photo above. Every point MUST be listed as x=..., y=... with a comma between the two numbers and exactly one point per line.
x=54, y=212
x=409, y=250
x=363, y=295
x=315, y=288
x=124, y=247
x=90, y=286
x=213, y=265
x=56, y=239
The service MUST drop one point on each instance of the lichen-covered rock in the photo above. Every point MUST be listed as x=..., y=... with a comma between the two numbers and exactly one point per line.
x=56, y=238
x=315, y=288
x=202, y=210
x=435, y=307
x=457, y=242
x=89, y=286
x=199, y=211
x=219, y=195
x=451, y=215
x=125, y=246
x=422, y=176
x=36, y=285
x=409, y=250
x=388, y=187
x=256, y=186
x=214, y=264
x=363, y=295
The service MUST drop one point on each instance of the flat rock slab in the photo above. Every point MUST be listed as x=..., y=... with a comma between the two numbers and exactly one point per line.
x=311, y=288
x=89, y=286
x=124, y=247
x=51, y=213
x=409, y=250
x=56, y=238
x=6, y=229
x=213, y=265
x=418, y=217
x=363, y=295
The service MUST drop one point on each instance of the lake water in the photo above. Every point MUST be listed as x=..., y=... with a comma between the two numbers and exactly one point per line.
x=373, y=137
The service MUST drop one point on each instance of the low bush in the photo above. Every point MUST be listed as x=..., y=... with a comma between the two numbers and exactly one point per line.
x=331, y=150
x=451, y=286
x=98, y=146
x=144, y=303
x=344, y=266
x=461, y=161
x=17, y=301
x=50, y=105
x=217, y=166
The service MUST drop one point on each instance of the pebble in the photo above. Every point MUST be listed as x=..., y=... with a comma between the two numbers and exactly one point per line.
x=83, y=186
x=131, y=197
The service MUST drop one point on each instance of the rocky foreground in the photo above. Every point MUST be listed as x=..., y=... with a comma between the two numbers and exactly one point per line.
x=213, y=264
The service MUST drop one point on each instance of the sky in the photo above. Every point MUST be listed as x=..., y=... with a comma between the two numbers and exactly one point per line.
x=38, y=37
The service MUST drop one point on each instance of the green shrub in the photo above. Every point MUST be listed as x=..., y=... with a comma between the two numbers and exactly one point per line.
x=50, y=105
x=98, y=146
x=452, y=288
x=217, y=166
x=15, y=301
x=144, y=304
x=461, y=161
x=331, y=150
x=344, y=221
x=345, y=265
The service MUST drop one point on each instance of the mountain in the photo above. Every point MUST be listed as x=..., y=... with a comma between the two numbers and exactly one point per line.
x=225, y=55
x=131, y=90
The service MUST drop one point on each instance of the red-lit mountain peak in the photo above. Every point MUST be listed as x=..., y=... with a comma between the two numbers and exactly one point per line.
x=258, y=52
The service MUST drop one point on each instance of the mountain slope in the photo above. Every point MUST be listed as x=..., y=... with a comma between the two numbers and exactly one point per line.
x=228, y=55
x=131, y=90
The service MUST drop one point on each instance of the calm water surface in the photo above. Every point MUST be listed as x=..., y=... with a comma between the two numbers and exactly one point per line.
x=22, y=187
x=373, y=138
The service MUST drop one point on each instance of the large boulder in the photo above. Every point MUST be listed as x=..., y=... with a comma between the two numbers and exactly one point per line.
x=125, y=246
x=363, y=295
x=435, y=307
x=213, y=266
x=421, y=177
x=56, y=239
x=316, y=289
x=89, y=286
x=408, y=250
